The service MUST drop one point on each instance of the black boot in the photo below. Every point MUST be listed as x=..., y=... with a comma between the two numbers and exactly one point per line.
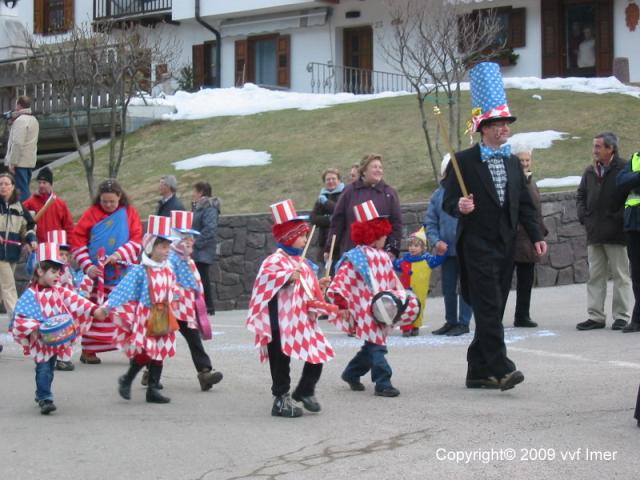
x=124, y=382
x=153, y=392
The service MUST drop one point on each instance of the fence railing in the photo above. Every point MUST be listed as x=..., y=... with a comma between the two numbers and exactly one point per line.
x=114, y=9
x=328, y=78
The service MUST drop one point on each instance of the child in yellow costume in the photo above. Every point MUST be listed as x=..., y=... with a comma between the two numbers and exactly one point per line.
x=414, y=269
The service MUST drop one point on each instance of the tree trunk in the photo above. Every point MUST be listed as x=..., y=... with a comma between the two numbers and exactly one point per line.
x=427, y=136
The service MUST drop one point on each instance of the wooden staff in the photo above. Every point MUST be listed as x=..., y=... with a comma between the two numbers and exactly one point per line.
x=306, y=287
x=327, y=266
x=454, y=160
x=45, y=207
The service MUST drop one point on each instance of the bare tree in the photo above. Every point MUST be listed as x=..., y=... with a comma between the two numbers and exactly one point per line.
x=98, y=68
x=434, y=44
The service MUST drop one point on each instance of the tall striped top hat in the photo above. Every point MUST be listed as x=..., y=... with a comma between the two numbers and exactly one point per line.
x=160, y=227
x=283, y=212
x=49, y=251
x=182, y=222
x=58, y=236
x=488, y=98
x=366, y=211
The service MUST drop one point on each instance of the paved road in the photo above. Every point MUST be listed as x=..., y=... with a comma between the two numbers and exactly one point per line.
x=572, y=418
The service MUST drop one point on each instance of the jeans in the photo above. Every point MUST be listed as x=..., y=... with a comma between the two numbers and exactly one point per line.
x=370, y=357
x=453, y=315
x=23, y=178
x=44, y=379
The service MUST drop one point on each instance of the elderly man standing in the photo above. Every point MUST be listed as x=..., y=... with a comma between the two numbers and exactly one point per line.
x=169, y=201
x=57, y=215
x=601, y=210
x=22, y=146
x=489, y=215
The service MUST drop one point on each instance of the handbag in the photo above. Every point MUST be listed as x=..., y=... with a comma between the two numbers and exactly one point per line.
x=204, y=324
x=161, y=320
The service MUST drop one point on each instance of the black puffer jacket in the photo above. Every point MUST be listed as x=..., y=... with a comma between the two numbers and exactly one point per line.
x=601, y=204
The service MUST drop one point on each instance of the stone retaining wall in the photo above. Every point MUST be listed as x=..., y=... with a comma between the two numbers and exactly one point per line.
x=245, y=240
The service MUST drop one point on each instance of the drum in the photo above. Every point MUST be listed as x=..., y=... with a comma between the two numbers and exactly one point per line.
x=392, y=306
x=58, y=330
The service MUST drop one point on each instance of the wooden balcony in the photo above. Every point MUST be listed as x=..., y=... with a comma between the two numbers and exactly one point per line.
x=143, y=11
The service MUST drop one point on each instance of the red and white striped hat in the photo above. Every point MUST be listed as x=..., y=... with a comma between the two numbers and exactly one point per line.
x=366, y=211
x=182, y=221
x=159, y=227
x=283, y=212
x=49, y=251
x=57, y=236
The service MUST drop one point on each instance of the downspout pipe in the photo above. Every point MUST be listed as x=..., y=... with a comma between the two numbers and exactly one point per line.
x=218, y=42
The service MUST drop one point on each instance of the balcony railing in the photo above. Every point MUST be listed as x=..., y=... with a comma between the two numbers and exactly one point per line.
x=125, y=9
x=327, y=78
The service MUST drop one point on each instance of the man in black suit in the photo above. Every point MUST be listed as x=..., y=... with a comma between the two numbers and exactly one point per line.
x=488, y=218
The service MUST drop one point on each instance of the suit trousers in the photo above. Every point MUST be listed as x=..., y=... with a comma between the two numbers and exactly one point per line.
x=280, y=364
x=488, y=269
x=600, y=256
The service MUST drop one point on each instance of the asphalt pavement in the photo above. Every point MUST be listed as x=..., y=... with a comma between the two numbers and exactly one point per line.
x=572, y=418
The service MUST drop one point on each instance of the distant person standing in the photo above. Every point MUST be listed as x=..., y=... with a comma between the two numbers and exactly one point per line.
x=57, y=215
x=22, y=146
x=601, y=210
x=206, y=210
x=324, y=206
x=169, y=201
x=587, y=49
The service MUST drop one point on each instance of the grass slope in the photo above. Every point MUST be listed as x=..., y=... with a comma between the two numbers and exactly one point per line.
x=303, y=143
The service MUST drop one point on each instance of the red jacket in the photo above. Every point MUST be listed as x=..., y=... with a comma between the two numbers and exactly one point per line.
x=57, y=216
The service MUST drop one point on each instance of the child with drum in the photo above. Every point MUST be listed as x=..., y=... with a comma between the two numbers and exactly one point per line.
x=283, y=314
x=48, y=318
x=371, y=299
x=141, y=307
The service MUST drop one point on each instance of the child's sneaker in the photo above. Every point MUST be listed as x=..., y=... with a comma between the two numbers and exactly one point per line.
x=284, y=407
x=46, y=407
x=387, y=392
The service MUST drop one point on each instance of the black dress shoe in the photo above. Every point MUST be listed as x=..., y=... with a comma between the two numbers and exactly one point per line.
x=443, y=329
x=590, y=325
x=618, y=324
x=488, y=383
x=524, y=322
x=510, y=380
x=457, y=330
x=631, y=327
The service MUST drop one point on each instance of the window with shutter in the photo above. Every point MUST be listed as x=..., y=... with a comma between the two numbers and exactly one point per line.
x=53, y=16
x=38, y=16
x=240, y=62
x=197, y=54
x=284, y=60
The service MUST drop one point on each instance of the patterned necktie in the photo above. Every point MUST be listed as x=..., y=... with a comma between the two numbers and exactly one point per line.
x=487, y=152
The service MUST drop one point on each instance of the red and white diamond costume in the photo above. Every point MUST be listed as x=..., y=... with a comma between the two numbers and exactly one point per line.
x=35, y=306
x=300, y=335
x=351, y=292
x=130, y=308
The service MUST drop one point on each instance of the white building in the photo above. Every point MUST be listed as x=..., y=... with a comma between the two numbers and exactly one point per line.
x=271, y=42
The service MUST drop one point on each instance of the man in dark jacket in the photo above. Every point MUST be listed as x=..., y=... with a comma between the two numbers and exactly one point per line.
x=600, y=209
x=488, y=218
x=168, y=187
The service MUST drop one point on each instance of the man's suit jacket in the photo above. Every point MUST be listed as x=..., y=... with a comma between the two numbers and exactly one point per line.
x=164, y=208
x=487, y=220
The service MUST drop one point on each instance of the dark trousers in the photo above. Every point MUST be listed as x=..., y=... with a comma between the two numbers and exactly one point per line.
x=198, y=354
x=453, y=314
x=524, y=284
x=203, y=270
x=370, y=357
x=633, y=251
x=488, y=269
x=23, y=179
x=279, y=363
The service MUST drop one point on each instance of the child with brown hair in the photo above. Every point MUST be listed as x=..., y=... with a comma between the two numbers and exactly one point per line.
x=47, y=320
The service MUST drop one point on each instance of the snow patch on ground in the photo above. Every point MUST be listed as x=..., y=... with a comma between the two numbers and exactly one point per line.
x=572, y=181
x=533, y=140
x=232, y=158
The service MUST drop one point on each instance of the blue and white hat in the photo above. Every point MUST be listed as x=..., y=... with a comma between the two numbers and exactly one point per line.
x=488, y=98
